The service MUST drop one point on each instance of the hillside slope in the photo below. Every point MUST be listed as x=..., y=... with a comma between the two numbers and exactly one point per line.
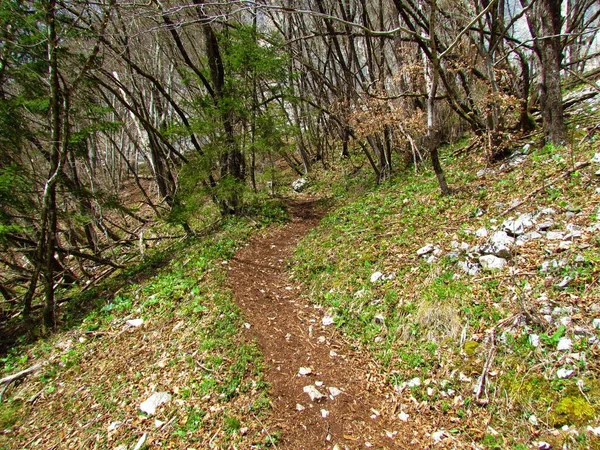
x=482, y=307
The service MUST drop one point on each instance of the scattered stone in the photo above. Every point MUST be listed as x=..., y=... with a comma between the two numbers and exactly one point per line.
x=534, y=340
x=154, y=401
x=299, y=184
x=299, y=407
x=542, y=445
x=579, y=258
x=546, y=225
x=492, y=262
x=595, y=159
x=594, y=430
x=564, y=282
x=518, y=226
x=428, y=248
x=334, y=392
x=415, y=382
x=324, y=413
x=141, y=443
x=596, y=324
x=376, y=276
x=313, y=393
x=575, y=231
x=318, y=383
x=564, y=245
x=158, y=423
x=463, y=378
x=564, y=373
x=469, y=267
x=533, y=420
x=304, y=371
x=555, y=236
x=403, y=416
x=546, y=212
x=529, y=236
x=564, y=344
x=437, y=436
x=482, y=232
x=134, y=322
x=327, y=320
x=121, y=447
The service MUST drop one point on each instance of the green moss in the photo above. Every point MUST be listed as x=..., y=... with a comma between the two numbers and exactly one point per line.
x=470, y=347
x=10, y=414
x=572, y=410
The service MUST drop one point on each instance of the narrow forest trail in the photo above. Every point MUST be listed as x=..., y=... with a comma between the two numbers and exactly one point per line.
x=291, y=335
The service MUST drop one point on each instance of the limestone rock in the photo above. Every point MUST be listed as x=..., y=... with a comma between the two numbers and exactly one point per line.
x=491, y=262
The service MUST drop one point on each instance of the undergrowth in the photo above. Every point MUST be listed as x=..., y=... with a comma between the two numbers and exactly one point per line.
x=98, y=369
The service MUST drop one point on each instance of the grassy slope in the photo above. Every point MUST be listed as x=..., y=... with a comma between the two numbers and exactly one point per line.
x=190, y=345
x=434, y=322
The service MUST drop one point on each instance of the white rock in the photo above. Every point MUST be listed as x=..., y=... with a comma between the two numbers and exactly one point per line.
x=501, y=238
x=158, y=423
x=415, y=382
x=596, y=323
x=121, y=447
x=564, y=245
x=563, y=373
x=299, y=407
x=564, y=344
x=555, y=236
x=542, y=445
x=403, y=416
x=141, y=442
x=327, y=320
x=299, y=184
x=533, y=420
x=543, y=226
x=517, y=226
x=428, y=248
x=547, y=212
x=360, y=294
x=135, y=322
x=313, y=393
x=596, y=158
x=334, y=392
x=376, y=276
x=534, y=340
x=564, y=282
x=154, y=401
x=324, y=413
x=482, y=232
x=575, y=231
x=529, y=236
x=437, y=436
x=469, y=267
x=318, y=383
x=492, y=262
x=303, y=371
x=594, y=430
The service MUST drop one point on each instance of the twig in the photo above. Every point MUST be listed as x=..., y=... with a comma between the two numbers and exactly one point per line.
x=482, y=380
x=577, y=166
x=6, y=381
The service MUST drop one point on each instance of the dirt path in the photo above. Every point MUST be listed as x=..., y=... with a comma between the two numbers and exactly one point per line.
x=291, y=335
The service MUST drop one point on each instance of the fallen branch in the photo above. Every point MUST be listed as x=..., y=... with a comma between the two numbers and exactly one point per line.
x=575, y=168
x=6, y=381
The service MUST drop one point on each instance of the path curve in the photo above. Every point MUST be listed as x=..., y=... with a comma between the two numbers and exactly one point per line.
x=291, y=335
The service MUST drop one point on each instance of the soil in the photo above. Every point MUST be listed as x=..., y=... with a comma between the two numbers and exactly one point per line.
x=291, y=335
